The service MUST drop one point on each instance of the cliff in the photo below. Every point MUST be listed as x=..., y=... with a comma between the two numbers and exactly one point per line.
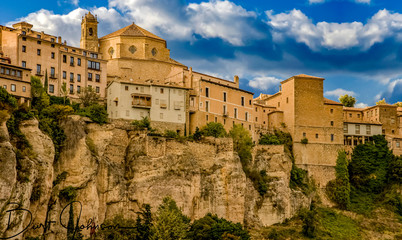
x=113, y=169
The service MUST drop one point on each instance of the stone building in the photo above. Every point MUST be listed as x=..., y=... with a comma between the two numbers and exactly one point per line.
x=301, y=109
x=43, y=53
x=15, y=79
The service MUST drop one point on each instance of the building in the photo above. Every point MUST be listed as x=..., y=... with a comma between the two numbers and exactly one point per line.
x=78, y=68
x=301, y=109
x=15, y=79
x=164, y=105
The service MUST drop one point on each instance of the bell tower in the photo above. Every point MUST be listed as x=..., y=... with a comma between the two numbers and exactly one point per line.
x=89, y=33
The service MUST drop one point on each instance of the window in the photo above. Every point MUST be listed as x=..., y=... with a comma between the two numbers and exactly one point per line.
x=93, y=65
x=78, y=89
x=179, y=117
x=316, y=135
x=24, y=38
x=126, y=88
x=97, y=89
x=13, y=88
x=90, y=31
x=24, y=64
x=206, y=106
x=225, y=110
x=38, y=69
x=206, y=92
x=350, y=115
x=24, y=33
x=52, y=55
x=64, y=74
x=216, y=119
x=89, y=76
x=304, y=134
x=242, y=101
x=332, y=110
x=357, y=129
x=64, y=58
x=368, y=129
x=332, y=123
x=5, y=86
x=246, y=116
x=161, y=115
x=52, y=72
x=97, y=78
x=287, y=100
x=235, y=113
x=52, y=39
x=397, y=144
x=39, y=42
x=71, y=61
x=38, y=36
x=358, y=115
x=332, y=137
x=24, y=89
x=71, y=88
x=154, y=52
x=79, y=61
x=52, y=45
x=249, y=102
x=38, y=52
x=206, y=117
x=71, y=77
x=161, y=90
x=224, y=97
x=279, y=104
x=24, y=48
x=78, y=77
x=19, y=74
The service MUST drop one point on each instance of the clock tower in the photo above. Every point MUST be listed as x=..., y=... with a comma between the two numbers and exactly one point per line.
x=89, y=33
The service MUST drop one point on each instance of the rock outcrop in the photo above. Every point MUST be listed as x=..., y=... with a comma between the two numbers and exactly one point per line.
x=114, y=169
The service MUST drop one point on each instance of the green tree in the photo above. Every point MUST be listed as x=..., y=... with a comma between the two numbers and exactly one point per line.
x=40, y=99
x=242, y=142
x=368, y=169
x=70, y=224
x=212, y=227
x=88, y=97
x=64, y=92
x=398, y=104
x=310, y=221
x=347, y=101
x=382, y=101
x=339, y=189
x=120, y=229
x=170, y=223
x=144, y=223
x=7, y=101
x=46, y=85
x=214, y=129
x=269, y=139
x=395, y=170
x=96, y=113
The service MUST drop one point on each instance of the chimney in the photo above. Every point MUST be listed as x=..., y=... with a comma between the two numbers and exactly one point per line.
x=59, y=39
x=236, y=80
x=42, y=35
x=190, y=75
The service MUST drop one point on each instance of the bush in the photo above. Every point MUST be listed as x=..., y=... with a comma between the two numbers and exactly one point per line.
x=143, y=124
x=214, y=129
x=7, y=101
x=269, y=139
x=339, y=189
x=126, y=230
x=212, y=227
x=68, y=194
x=170, y=134
x=304, y=141
x=59, y=101
x=95, y=112
x=197, y=134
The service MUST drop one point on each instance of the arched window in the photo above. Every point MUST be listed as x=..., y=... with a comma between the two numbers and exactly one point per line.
x=90, y=31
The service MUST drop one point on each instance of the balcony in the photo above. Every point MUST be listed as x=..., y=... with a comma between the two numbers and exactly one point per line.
x=39, y=73
x=71, y=64
x=225, y=114
x=141, y=101
x=53, y=76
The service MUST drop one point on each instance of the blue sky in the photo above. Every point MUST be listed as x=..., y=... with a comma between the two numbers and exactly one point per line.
x=356, y=45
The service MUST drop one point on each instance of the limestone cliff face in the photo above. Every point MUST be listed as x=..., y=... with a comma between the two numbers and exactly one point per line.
x=115, y=169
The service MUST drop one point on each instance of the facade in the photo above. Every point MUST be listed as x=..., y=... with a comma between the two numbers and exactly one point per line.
x=45, y=54
x=16, y=80
x=164, y=105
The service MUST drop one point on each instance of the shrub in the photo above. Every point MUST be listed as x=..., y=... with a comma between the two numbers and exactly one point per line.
x=197, y=134
x=304, y=140
x=339, y=189
x=126, y=230
x=96, y=113
x=269, y=139
x=68, y=194
x=214, y=129
x=54, y=100
x=170, y=134
x=7, y=101
x=143, y=124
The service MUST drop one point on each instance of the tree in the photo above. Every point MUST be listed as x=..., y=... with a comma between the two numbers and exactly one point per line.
x=46, y=85
x=214, y=129
x=40, y=99
x=70, y=224
x=88, y=96
x=242, y=142
x=398, y=104
x=144, y=223
x=64, y=92
x=339, y=189
x=382, y=101
x=96, y=113
x=125, y=231
x=347, y=101
x=170, y=223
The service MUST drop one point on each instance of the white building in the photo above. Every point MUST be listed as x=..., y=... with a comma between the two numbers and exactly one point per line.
x=165, y=105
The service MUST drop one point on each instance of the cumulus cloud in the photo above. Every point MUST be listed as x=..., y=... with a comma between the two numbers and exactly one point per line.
x=264, y=82
x=363, y=1
x=339, y=92
x=316, y=1
x=361, y=105
x=393, y=93
x=335, y=36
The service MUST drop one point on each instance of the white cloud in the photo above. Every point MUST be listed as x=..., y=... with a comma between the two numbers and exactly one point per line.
x=337, y=36
x=316, y=1
x=338, y=92
x=363, y=1
x=361, y=105
x=264, y=82
x=75, y=2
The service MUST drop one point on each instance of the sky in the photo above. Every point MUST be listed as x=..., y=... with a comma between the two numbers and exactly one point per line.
x=356, y=45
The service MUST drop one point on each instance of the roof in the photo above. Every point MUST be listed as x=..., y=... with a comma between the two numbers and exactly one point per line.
x=228, y=86
x=353, y=109
x=303, y=76
x=124, y=81
x=132, y=31
x=362, y=122
x=330, y=102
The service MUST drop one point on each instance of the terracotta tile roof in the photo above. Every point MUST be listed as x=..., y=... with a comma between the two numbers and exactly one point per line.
x=132, y=31
x=362, y=122
x=328, y=101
